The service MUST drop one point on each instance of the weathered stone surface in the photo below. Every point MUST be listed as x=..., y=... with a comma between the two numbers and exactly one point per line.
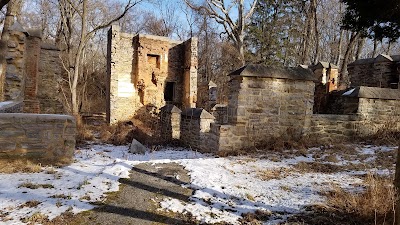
x=37, y=137
x=137, y=148
x=32, y=73
x=380, y=71
x=148, y=70
x=258, y=70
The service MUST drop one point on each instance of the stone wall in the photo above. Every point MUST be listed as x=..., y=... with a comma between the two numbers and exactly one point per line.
x=122, y=97
x=11, y=107
x=50, y=72
x=49, y=139
x=375, y=72
x=328, y=127
x=195, y=129
x=190, y=73
x=170, y=117
x=376, y=114
x=33, y=72
x=15, y=67
x=270, y=106
x=31, y=103
x=148, y=70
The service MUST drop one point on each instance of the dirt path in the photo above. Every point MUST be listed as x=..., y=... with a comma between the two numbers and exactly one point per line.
x=137, y=201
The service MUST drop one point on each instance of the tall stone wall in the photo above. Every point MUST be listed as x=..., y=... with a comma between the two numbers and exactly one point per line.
x=43, y=138
x=190, y=73
x=147, y=70
x=49, y=92
x=15, y=66
x=31, y=103
x=33, y=72
x=121, y=91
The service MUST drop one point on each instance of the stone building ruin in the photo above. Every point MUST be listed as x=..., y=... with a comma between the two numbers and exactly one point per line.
x=148, y=70
x=382, y=71
x=264, y=103
x=32, y=72
x=30, y=86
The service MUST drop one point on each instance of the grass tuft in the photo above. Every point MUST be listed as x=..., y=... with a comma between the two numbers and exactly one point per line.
x=19, y=166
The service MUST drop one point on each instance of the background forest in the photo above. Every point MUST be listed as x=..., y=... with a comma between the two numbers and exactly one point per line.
x=231, y=33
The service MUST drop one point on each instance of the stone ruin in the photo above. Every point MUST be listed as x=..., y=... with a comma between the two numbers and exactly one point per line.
x=147, y=70
x=29, y=86
x=264, y=103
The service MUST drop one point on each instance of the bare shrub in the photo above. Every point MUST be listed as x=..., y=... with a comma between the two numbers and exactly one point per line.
x=84, y=133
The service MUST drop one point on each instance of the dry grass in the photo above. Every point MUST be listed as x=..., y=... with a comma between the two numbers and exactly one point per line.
x=388, y=134
x=19, y=165
x=36, y=218
x=315, y=167
x=31, y=185
x=29, y=204
x=273, y=174
x=376, y=203
x=84, y=133
x=373, y=206
x=255, y=218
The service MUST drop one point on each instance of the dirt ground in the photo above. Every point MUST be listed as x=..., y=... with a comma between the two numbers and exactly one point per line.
x=139, y=197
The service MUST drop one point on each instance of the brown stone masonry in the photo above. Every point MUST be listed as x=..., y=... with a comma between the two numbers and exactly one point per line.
x=31, y=103
x=45, y=138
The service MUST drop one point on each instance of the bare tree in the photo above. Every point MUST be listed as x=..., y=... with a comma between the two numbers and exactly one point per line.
x=221, y=13
x=79, y=11
x=344, y=80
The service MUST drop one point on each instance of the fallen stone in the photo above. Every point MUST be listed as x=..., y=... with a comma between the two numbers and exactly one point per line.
x=137, y=147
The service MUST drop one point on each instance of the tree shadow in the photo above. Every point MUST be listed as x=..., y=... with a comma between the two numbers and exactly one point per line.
x=241, y=203
x=139, y=214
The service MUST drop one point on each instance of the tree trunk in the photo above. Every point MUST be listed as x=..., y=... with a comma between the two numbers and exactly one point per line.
x=375, y=47
x=360, y=46
x=339, y=49
x=314, y=12
x=344, y=80
x=77, y=62
x=306, y=43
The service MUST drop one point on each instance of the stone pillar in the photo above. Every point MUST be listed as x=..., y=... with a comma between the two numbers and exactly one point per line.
x=190, y=73
x=171, y=123
x=31, y=103
x=15, y=67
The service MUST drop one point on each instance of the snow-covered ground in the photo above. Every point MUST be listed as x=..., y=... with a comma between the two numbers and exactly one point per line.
x=224, y=187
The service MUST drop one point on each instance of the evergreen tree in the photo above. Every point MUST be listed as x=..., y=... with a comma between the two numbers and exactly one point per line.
x=380, y=19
